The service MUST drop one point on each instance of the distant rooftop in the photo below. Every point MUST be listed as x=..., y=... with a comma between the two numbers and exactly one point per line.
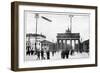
x=46, y=41
x=68, y=34
x=34, y=35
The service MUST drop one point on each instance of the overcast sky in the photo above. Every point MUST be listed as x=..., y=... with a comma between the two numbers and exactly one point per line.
x=59, y=24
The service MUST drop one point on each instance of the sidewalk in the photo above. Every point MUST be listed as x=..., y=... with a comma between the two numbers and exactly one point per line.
x=57, y=56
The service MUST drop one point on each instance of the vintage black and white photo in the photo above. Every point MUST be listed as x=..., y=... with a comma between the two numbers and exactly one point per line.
x=55, y=35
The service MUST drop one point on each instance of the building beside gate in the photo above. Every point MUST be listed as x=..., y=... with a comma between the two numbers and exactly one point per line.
x=33, y=42
x=85, y=46
x=47, y=45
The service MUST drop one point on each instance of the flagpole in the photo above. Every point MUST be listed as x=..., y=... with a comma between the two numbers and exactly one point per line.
x=70, y=16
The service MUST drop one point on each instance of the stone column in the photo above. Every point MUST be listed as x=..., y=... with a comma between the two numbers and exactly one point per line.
x=65, y=43
x=78, y=45
x=71, y=43
x=62, y=44
x=74, y=45
x=57, y=43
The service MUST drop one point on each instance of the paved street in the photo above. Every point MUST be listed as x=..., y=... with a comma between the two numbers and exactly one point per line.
x=57, y=56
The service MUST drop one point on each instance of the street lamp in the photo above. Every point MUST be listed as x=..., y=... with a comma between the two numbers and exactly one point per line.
x=37, y=17
x=71, y=16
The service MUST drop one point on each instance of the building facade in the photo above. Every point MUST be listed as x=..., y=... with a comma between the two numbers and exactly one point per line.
x=85, y=46
x=33, y=42
x=47, y=45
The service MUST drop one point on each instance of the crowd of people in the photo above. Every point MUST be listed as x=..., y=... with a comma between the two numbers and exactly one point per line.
x=41, y=54
x=45, y=54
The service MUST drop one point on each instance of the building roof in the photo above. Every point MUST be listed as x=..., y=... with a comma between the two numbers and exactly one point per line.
x=68, y=35
x=34, y=35
x=86, y=41
x=46, y=41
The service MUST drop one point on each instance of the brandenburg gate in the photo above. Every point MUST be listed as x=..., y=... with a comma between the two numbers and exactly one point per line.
x=68, y=40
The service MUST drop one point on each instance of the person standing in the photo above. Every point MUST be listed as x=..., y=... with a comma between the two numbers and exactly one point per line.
x=38, y=54
x=48, y=52
x=42, y=54
x=48, y=55
x=65, y=52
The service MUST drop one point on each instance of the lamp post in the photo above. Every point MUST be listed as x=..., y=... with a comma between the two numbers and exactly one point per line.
x=71, y=16
x=36, y=16
x=36, y=19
